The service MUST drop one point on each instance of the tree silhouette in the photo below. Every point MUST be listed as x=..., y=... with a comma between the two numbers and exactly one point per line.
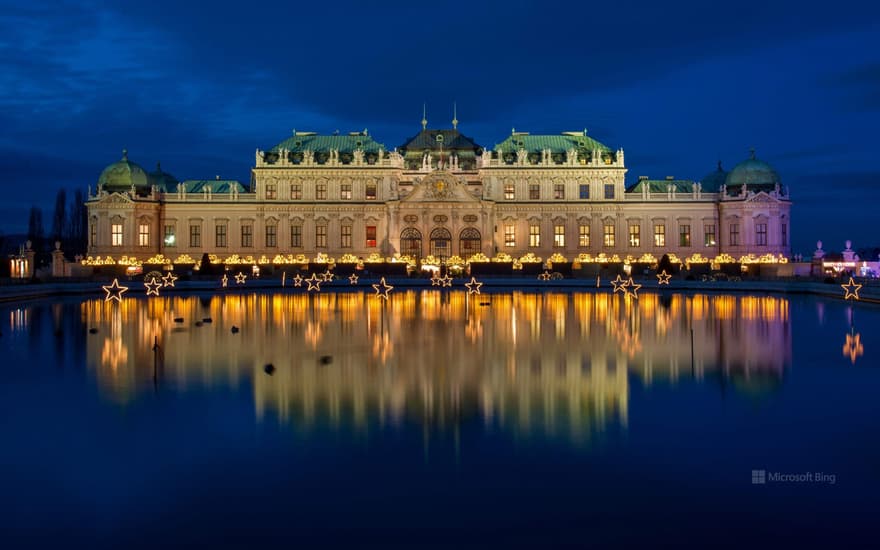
x=36, y=233
x=59, y=217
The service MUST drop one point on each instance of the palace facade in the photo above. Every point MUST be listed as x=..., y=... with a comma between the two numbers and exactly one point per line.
x=439, y=194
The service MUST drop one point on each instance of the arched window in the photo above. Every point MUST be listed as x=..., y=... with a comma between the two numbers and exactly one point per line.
x=469, y=242
x=441, y=241
x=411, y=242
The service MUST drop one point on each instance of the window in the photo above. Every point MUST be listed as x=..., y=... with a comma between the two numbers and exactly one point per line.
x=609, y=190
x=116, y=234
x=220, y=235
x=784, y=234
x=584, y=191
x=684, y=235
x=247, y=236
x=170, y=238
x=345, y=236
x=469, y=242
x=271, y=236
x=271, y=191
x=321, y=191
x=509, y=236
x=709, y=234
x=93, y=233
x=584, y=236
x=371, y=236
x=608, y=234
x=345, y=192
x=558, y=191
x=321, y=236
x=195, y=235
x=761, y=234
x=509, y=193
x=296, y=236
x=296, y=191
x=143, y=234
x=635, y=235
x=734, y=234
x=559, y=236
x=659, y=234
x=371, y=192
x=534, y=235
x=534, y=191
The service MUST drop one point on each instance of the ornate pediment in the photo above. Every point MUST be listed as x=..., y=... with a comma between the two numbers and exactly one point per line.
x=440, y=186
x=762, y=197
x=115, y=199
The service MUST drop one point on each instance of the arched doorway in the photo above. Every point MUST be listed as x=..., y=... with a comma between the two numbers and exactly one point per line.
x=411, y=242
x=441, y=242
x=469, y=242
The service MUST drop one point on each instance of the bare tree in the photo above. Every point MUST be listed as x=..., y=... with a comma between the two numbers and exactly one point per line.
x=36, y=234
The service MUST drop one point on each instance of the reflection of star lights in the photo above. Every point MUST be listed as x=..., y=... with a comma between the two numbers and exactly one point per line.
x=631, y=288
x=353, y=279
x=314, y=282
x=852, y=289
x=473, y=286
x=114, y=291
x=168, y=279
x=853, y=347
x=446, y=280
x=240, y=278
x=114, y=353
x=619, y=284
x=224, y=281
x=383, y=289
x=544, y=276
x=298, y=280
x=153, y=286
x=436, y=279
x=663, y=278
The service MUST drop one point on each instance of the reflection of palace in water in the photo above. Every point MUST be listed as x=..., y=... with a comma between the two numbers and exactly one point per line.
x=528, y=362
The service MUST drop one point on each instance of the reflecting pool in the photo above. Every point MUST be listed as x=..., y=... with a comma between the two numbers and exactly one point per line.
x=439, y=418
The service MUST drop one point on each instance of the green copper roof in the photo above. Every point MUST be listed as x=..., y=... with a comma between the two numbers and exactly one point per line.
x=556, y=143
x=217, y=186
x=316, y=143
x=713, y=181
x=163, y=180
x=753, y=172
x=121, y=175
x=449, y=140
x=661, y=186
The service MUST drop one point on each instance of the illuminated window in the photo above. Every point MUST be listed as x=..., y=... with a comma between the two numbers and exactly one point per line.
x=371, y=192
x=609, y=190
x=296, y=236
x=534, y=235
x=195, y=235
x=220, y=235
x=659, y=234
x=559, y=236
x=371, y=236
x=584, y=191
x=247, y=236
x=321, y=236
x=709, y=234
x=116, y=234
x=345, y=236
x=635, y=235
x=558, y=191
x=608, y=234
x=509, y=193
x=734, y=234
x=296, y=191
x=761, y=234
x=345, y=191
x=143, y=234
x=321, y=191
x=534, y=191
x=271, y=191
x=584, y=236
x=684, y=235
x=170, y=238
x=784, y=235
x=509, y=236
x=271, y=236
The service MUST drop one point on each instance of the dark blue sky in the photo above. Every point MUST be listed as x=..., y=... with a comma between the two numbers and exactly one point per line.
x=679, y=85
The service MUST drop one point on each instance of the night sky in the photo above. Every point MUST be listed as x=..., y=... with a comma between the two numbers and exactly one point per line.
x=679, y=85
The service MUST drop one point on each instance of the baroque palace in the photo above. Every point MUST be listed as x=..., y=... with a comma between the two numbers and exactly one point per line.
x=440, y=197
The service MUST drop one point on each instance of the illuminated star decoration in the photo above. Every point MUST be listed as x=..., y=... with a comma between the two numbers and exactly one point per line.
x=383, y=289
x=327, y=276
x=240, y=278
x=619, y=284
x=114, y=291
x=544, y=276
x=473, y=286
x=853, y=347
x=168, y=279
x=663, y=278
x=298, y=280
x=353, y=279
x=631, y=288
x=314, y=283
x=153, y=285
x=446, y=280
x=436, y=279
x=852, y=289
x=224, y=281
